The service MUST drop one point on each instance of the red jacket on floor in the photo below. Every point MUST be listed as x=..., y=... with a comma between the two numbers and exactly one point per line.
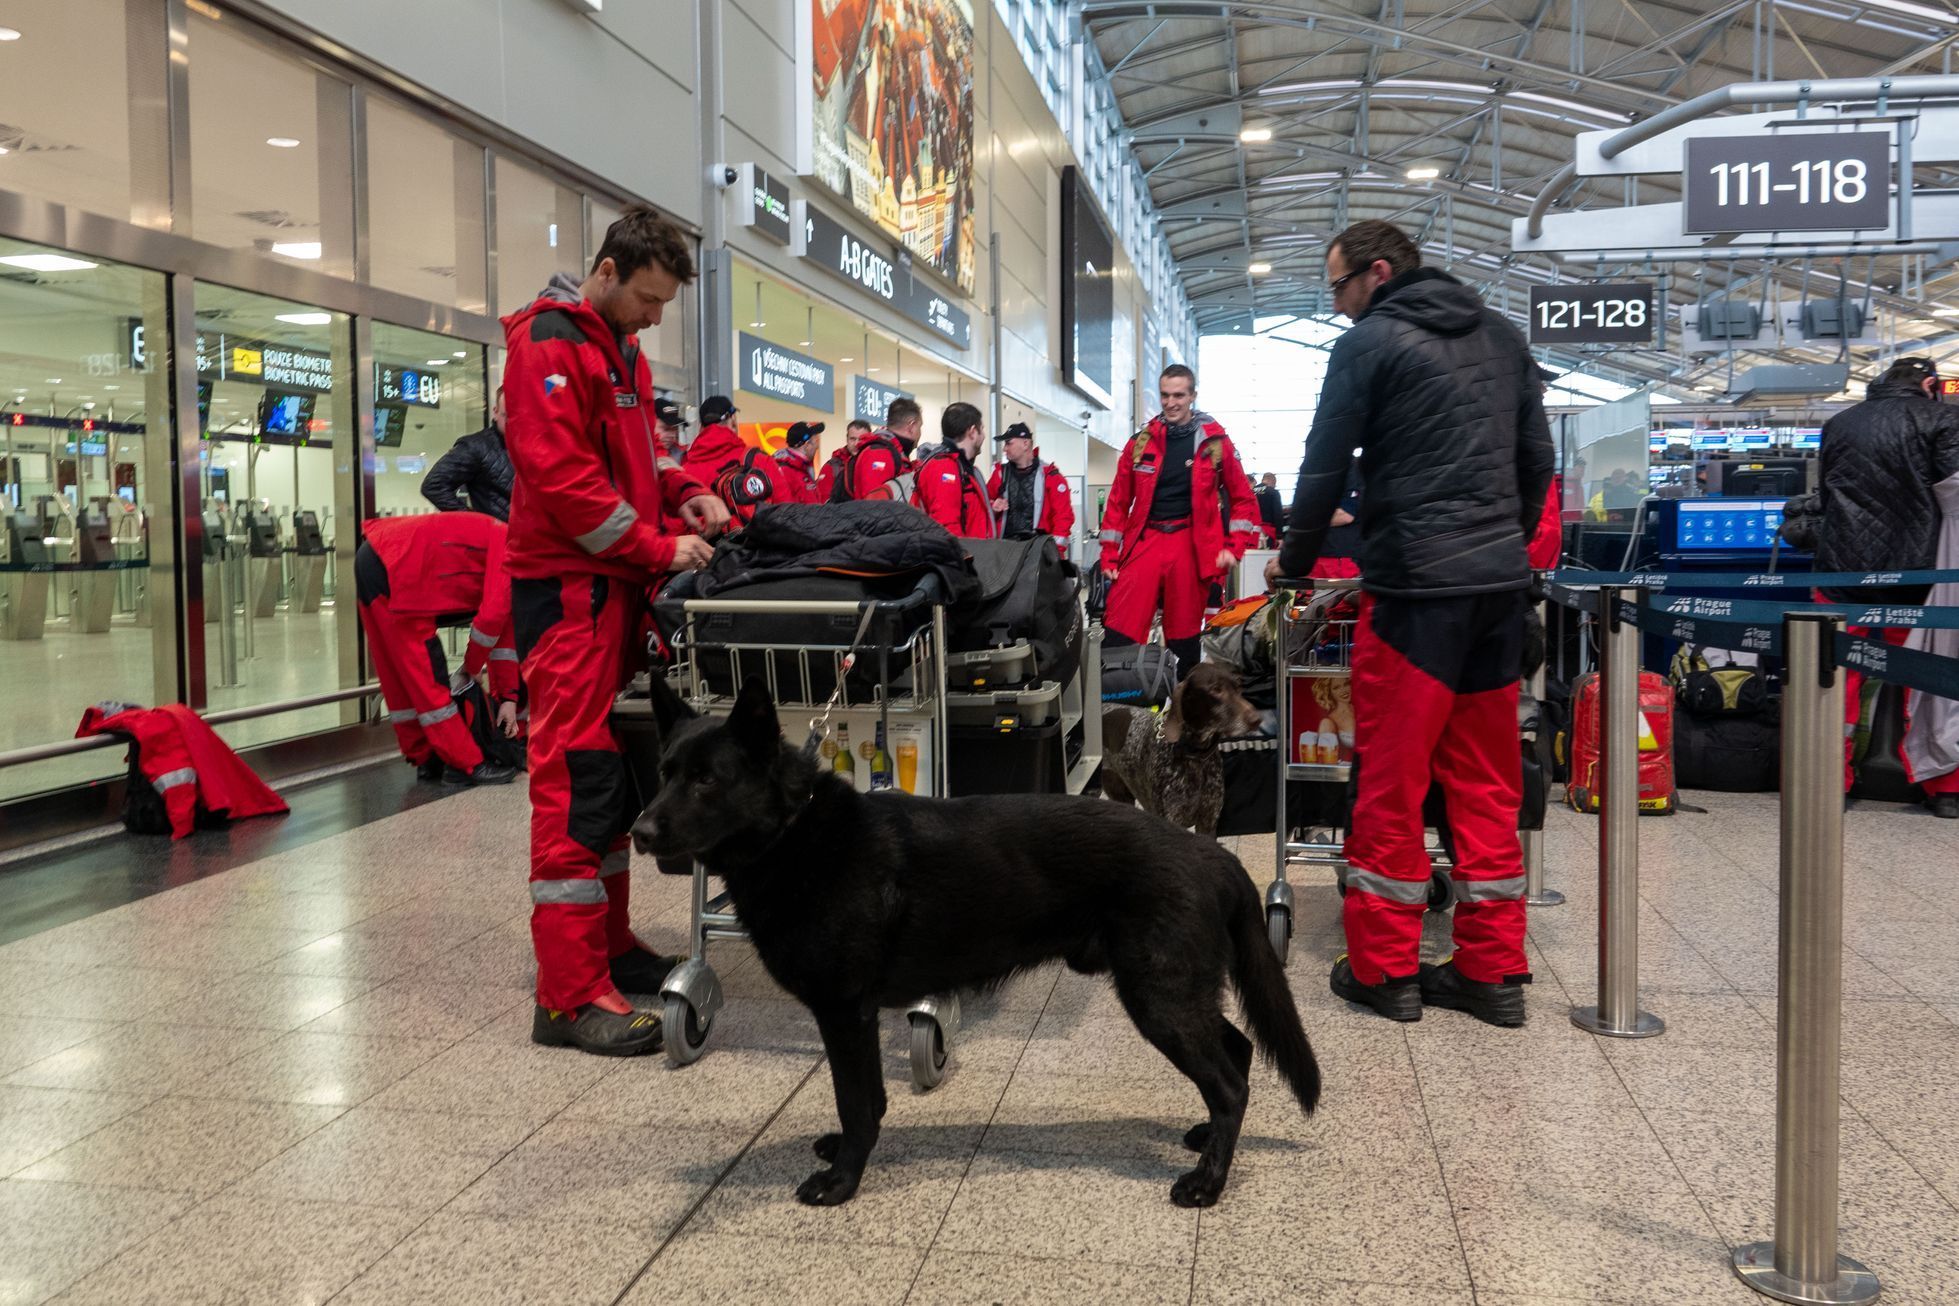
x=186, y=762
x=951, y=493
x=1216, y=477
x=448, y=564
x=720, y=459
x=592, y=494
x=1054, y=506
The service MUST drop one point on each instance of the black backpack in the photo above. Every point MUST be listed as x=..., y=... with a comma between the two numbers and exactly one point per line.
x=1704, y=690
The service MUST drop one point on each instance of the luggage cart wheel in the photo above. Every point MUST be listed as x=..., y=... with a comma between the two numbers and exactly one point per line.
x=686, y=1033
x=1278, y=928
x=928, y=1051
x=1441, y=891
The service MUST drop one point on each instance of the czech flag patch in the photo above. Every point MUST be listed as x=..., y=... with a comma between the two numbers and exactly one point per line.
x=553, y=383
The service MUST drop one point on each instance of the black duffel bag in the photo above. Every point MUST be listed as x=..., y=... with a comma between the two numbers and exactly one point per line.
x=1027, y=591
x=1138, y=675
x=1728, y=754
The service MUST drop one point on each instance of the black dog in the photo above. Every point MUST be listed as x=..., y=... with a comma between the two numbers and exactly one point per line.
x=856, y=903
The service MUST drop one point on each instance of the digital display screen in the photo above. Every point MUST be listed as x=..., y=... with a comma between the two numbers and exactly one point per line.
x=390, y=423
x=1087, y=293
x=1710, y=440
x=285, y=418
x=203, y=406
x=1727, y=525
x=1807, y=440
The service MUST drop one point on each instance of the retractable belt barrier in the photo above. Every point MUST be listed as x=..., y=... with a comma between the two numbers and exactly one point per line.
x=1802, y=1262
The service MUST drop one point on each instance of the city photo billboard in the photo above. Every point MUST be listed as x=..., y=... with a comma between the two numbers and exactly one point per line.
x=889, y=114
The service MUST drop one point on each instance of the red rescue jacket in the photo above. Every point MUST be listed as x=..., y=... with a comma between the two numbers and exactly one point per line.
x=952, y=494
x=1547, y=543
x=447, y=564
x=868, y=470
x=186, y=762
x=800, y=473
x=1224, y=512
x=593, y=494
x=744, y=476
x=1054, y=506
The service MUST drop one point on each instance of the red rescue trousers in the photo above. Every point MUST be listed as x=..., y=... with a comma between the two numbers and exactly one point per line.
x=1435, y=700
x=1853, y=685
x=576, y=636
x=414, y=676
x=1160, y=574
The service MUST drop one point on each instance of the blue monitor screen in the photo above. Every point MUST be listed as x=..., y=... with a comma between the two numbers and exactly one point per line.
x=1727, y=525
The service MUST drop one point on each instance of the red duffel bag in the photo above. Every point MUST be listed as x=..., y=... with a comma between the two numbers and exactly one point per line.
x=1582, y=791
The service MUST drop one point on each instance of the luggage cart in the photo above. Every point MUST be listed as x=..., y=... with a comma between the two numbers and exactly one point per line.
x=1315, y=642
x=817, y=678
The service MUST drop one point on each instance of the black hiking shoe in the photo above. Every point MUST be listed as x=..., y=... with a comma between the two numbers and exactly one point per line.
x=1397, y=999
x=486, y=773
x=593, y=1029
x=642, y=970
x=1944, y=805
x=1495, y=1004
x=432, y=770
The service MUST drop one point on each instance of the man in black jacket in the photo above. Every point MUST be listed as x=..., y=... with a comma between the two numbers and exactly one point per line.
x=478, y=466
x=1440, y=396
x=1271, y=509
x=1880, y=463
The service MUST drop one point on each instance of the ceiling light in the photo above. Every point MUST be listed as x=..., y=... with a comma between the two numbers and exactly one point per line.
x=9, y=34
x=305, y=319
x=462, y=353
x=1424, y=174
x=283, y=142
x=1296, y=88
x=1573, y=105
x=54, y=380
x=846, y=360
x=437, y=362
x=1258, y=269
x=301, y=249
x=47, y=263
x=1945, y=312
x=3, y=149
x=805, y=343
x=870, y=369
x=1255, y=135
x=1895, y=6
x=112, y=387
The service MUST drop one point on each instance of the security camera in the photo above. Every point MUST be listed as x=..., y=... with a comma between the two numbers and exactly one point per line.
x=722, y=175
x=1087, y=413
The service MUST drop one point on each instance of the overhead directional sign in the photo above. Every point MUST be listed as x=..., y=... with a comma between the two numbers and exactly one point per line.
x=780, y=373
x=871, y=268
x=1620, y=313
x=1787, y=181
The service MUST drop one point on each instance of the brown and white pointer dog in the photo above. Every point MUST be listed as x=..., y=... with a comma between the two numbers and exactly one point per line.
x=1169, y=762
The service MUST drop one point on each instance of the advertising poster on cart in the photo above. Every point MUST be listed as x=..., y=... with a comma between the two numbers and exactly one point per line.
x=886, y=107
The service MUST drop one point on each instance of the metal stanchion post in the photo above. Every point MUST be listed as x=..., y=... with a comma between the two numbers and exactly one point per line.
x=1802, y=1264
x=227, y=636
x=1535, y=894
x=1617, y=1014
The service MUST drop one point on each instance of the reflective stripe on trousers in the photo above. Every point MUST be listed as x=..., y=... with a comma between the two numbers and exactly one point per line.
x=1408, y=892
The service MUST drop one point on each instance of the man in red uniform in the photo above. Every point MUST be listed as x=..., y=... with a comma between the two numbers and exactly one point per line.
x=1442, y=399
x=743, y=475
x=949, y=487
x=826, y=480
x=1180, y=514
x=595, y=523
x=880, y=466
x=1031, y=497
x=793, y=458
x=412, y=573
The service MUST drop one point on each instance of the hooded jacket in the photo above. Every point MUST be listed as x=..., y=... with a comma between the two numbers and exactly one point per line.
x=594, y=493
x=1882, y=462
x=952, y=494
x=1441, y=397
x=719, y=458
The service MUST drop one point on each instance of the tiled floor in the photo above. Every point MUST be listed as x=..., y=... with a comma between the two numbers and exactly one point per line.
x=309, y=1079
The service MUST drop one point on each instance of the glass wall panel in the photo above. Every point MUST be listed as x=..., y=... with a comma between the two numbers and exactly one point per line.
x=85, y=486
x=66, y=139
x=271, y=142
x=540, y=232
x=430, y=393
x=425, y=209
x=277, y=481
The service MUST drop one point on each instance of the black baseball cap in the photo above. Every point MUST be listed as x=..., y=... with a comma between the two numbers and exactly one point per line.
x=716, y=409
x=801, y=433
x=667, y=413
x=1020, y=429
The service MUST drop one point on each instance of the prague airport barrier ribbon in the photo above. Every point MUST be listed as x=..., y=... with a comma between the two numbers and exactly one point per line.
x=1742, y=580
x=1756, y=626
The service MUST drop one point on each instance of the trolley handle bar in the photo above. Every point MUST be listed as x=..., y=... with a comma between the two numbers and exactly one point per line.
x=1316, y=583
